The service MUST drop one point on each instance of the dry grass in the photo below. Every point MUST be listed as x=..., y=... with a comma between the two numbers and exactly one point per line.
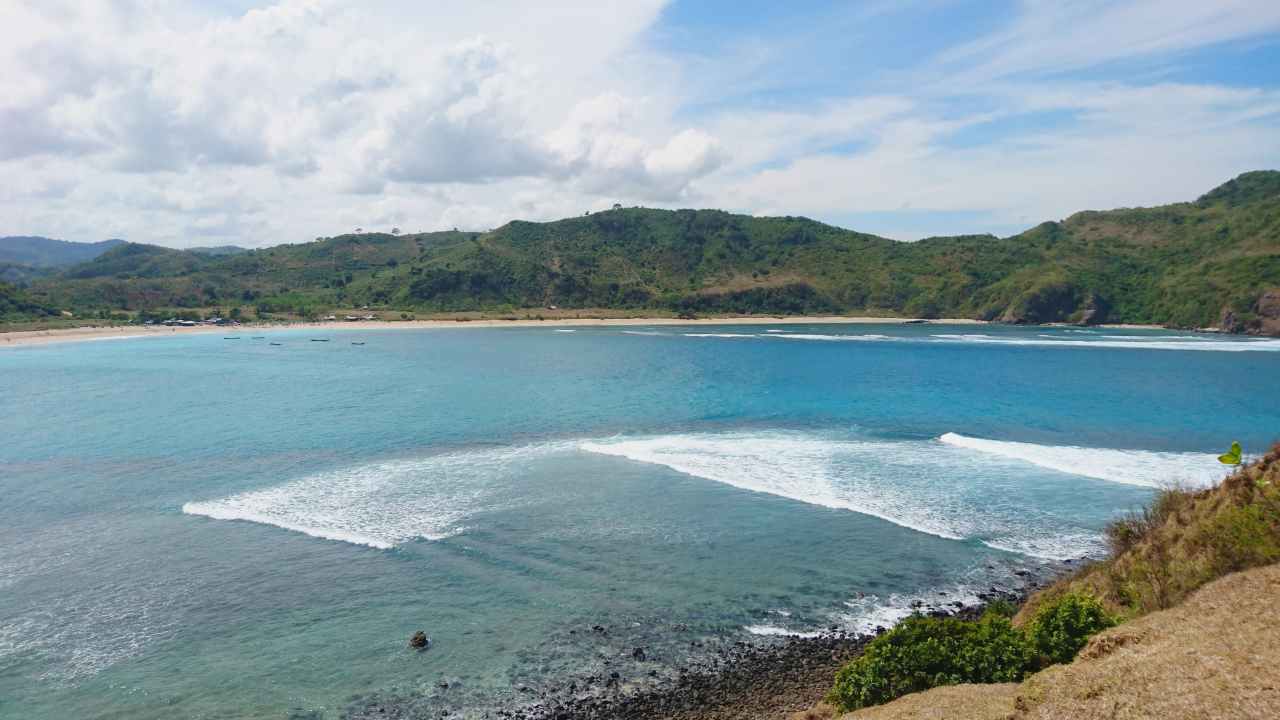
x=1217, y=655
x=970, y=702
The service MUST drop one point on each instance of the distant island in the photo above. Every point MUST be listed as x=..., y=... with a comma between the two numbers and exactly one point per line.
x=1212, y=263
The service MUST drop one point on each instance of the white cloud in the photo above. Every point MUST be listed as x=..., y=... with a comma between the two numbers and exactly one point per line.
x=163, y=121
x=1054, y=37
x=1130, y=146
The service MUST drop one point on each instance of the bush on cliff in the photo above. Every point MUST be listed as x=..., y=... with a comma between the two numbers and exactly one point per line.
x=1063, y=626
x=923, y=652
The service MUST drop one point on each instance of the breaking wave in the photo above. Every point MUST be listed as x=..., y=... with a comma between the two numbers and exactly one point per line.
x=940, y=488
x=1132, y=467
x=383, y=504
x=1126, y=342
x=835, y=338
x=954, y=487
x=1095, y=340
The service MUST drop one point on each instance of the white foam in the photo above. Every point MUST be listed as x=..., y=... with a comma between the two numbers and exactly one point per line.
x=1067, y=546
x=788, y=465
x=78, y=636
x=943, y=488
x=564, y=330
x=775, y=631
x=380, y=505
x=1125, y=342
x=643, y=332
x=1131, y=467
x=834, y=338
x=867, y=613
x=958, y=488
x=720, y=335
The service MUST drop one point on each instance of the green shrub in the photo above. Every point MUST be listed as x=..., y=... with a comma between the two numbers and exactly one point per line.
x=921, y=653
x=1063, y=625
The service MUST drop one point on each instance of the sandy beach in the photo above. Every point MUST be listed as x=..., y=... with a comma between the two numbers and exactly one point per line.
x=20, y=338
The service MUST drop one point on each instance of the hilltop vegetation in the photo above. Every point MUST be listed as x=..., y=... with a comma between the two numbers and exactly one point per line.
x=1181, y=265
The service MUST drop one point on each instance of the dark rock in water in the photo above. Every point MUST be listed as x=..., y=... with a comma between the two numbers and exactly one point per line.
x=638, y=654
x=420, y=641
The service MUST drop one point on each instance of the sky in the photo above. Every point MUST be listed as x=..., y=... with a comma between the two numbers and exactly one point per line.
x=258, y=123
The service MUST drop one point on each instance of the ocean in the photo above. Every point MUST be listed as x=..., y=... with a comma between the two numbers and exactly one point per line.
x=199, y=527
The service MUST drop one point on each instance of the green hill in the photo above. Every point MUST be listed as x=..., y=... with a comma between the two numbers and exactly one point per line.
x=1180, y=265
x=42, y=252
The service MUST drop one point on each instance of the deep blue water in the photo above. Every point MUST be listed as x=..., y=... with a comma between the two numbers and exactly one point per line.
x=209, y=528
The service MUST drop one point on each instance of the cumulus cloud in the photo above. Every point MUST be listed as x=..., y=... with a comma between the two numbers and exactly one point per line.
x=177, y=122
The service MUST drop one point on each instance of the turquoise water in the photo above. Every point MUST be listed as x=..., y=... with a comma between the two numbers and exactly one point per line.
x=209, y=528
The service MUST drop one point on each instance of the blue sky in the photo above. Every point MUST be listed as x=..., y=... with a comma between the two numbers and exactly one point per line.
x=230, y=121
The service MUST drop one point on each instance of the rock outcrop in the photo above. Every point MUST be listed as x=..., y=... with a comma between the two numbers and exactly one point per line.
x=1261, y=318
x=1267, y=310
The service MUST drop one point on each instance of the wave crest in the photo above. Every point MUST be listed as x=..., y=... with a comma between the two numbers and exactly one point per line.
x=1131, y=467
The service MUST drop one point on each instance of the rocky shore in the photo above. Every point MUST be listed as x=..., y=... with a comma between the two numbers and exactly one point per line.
x=732, y=680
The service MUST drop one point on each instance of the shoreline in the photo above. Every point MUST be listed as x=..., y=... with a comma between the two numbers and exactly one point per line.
x=735, y=680
x=27, y=338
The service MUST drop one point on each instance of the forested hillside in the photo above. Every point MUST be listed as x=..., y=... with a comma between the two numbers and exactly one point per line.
x=35, y=251
x=1181, y=265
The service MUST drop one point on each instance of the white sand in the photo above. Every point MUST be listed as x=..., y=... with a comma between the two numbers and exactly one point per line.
x=42, y=337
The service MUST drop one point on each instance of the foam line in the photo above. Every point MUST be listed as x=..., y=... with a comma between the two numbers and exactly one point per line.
x=1131, y=467
x=1129, y=342
x=835, y=338
x=381, y=504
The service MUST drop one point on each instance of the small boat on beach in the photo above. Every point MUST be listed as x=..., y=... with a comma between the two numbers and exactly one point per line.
x=258, y=337
x=276, y=344
x=230, y=338
x=357, y=343
x=319, y=339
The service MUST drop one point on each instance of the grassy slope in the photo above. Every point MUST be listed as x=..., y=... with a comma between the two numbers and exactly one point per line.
x=1178, y=264
x=1183, y=541
x=1213, y=656
x=1197, y=577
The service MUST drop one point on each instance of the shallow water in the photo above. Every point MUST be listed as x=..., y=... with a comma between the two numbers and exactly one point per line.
x=197, y=527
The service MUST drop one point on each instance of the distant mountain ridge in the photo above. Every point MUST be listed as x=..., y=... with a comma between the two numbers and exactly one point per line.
x=219, y=250
x=43, y=252
x=1211, y=262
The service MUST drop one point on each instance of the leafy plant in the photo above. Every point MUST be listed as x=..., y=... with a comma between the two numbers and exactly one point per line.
x=1232, y=456
x=1062, y=626
x=921, y=653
